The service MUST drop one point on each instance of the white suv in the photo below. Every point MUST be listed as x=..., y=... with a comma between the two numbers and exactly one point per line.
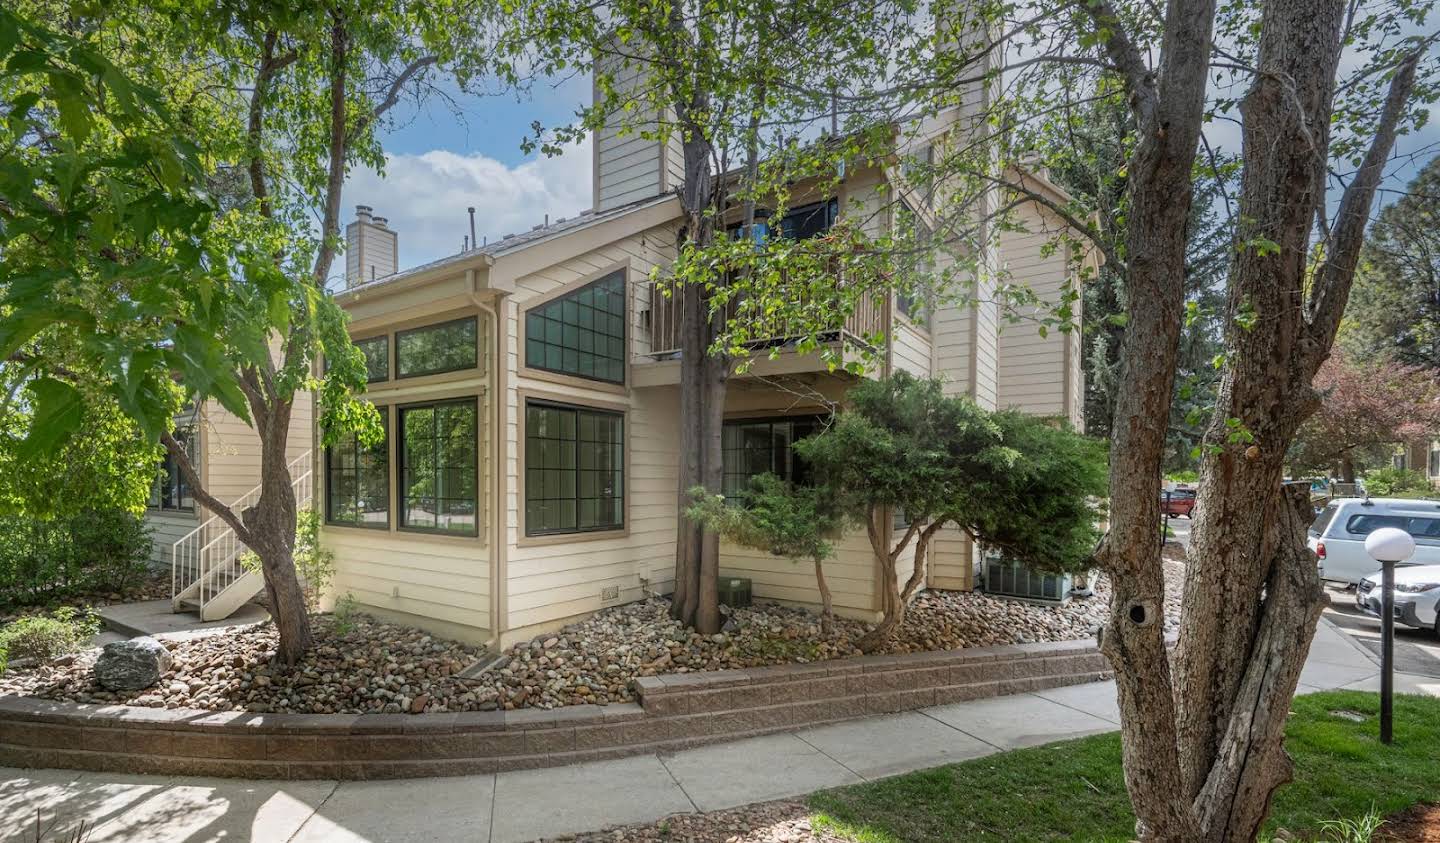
x=1417, y=594
x=1338, y=534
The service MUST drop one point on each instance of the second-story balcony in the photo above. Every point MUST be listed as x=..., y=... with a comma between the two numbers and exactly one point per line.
x=661, y=321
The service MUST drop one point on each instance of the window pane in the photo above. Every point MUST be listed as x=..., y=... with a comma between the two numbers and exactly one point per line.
x=808, y=221
x=170, y=491
x=439, y=484
x=751, y=448
x=574, y=469
x=437, y=348
x=357, y=481
x=377, y=357
x=581, y=333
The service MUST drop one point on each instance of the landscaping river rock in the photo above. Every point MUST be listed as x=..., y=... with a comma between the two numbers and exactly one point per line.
x=366, y=665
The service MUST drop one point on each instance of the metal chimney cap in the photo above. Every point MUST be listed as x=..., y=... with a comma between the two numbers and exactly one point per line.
x=363, y=211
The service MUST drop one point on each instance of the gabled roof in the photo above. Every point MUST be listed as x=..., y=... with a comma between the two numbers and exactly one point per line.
x=510, y=244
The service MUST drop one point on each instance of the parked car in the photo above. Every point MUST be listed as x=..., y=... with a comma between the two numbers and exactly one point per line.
x=1177, y=502
x=1338, y=534
x=1417, y=596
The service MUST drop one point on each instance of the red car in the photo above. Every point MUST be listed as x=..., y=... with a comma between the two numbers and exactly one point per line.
x=1177, y=502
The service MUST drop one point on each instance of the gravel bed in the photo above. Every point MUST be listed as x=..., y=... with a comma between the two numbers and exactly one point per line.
x=769, y=822
x=367, y=665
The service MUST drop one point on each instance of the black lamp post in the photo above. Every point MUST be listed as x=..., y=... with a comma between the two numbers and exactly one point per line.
x=1388, y=545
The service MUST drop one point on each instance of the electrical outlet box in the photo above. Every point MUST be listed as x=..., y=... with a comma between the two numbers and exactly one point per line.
x=610, y=592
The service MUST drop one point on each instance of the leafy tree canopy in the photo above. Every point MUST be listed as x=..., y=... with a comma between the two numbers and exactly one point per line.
x=1394, y=308
x=1365, y=409
x=1022, y=484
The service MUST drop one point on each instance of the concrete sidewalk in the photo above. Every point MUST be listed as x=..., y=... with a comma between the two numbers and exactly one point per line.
x=527, y=805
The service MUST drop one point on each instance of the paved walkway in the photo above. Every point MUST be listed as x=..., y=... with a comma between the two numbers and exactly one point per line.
x=156, y=617
x=526, y=805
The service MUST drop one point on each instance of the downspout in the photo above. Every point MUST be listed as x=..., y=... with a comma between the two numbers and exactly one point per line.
x=498, y=391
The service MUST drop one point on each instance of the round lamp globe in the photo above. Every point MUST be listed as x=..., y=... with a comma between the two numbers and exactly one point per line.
x=1389, y=544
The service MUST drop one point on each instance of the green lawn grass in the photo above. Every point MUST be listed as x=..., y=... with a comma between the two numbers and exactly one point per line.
x=1074, y=790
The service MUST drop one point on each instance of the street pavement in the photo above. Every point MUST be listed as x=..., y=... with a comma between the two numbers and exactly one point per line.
x=1417, y=651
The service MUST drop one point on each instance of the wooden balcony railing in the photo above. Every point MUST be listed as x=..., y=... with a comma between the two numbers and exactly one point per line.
x=660, y=321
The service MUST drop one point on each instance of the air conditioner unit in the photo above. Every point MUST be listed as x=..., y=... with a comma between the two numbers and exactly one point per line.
x=1009, y=578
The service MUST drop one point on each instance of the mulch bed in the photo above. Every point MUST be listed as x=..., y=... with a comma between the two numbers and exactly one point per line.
x=1418, y=824
x=787, y=821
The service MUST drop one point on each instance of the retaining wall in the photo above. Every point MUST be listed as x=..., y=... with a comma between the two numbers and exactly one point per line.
x=675, y=712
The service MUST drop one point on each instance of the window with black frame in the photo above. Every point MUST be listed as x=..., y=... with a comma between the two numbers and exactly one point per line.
x=752, y=447
x=433, y=349
x=574, y=469
x=806, y=221
x=581, y=333
x=438, y=465
x=357, y=481
x=171, y=491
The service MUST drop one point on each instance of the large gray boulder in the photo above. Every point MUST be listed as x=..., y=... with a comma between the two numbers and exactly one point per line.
x=132, y=665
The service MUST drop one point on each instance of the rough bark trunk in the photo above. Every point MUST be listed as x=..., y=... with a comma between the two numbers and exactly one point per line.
x=827, y=603
x=1252, y=604
x=702, y=399
x=1168, y=108
x=892, y=600
x=1203, y=754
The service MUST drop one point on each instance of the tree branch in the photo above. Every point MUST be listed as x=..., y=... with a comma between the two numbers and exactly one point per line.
x=1332, y=286
x=392, y=94
x=209, y=501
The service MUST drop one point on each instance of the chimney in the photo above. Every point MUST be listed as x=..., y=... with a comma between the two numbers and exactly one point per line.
x=631, y=168
x=372, y=249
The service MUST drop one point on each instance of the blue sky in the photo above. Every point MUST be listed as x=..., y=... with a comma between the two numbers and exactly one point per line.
x=464, y=150
x=441, y=161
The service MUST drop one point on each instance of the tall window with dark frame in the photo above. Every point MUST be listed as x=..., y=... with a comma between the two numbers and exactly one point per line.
x=756, y=446
x=357, y=481
x=433, y=349
x=171, y=491
x=574, y=469
x=581, y=333
x=438, y=457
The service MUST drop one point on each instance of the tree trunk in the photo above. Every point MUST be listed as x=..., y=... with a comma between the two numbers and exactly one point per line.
x=1347, y=468
x=1203, y=754
x=696, y=601
x=1168, y=108
x=892, y=601
x=827, y=604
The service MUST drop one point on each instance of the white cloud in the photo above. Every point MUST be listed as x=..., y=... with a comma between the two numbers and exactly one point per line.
x=424, y=197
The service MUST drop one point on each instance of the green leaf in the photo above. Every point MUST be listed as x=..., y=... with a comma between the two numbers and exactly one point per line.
x=59, y=410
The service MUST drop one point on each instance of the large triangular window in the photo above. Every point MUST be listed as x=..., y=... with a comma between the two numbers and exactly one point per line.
x=581, y=333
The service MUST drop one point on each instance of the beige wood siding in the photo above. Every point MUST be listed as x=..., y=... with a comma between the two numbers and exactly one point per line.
x=551, y=579
x=1036, y=373
x=629, y=167
x=910, y=350
x=166, y=528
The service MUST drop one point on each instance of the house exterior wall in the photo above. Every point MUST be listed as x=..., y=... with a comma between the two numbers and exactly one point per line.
x=509, y=583
x=432, y=581
x=629, y=167
x=1039, y=374
x=549, y=580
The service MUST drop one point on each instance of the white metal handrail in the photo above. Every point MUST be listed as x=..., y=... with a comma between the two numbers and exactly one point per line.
x=208, y=557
